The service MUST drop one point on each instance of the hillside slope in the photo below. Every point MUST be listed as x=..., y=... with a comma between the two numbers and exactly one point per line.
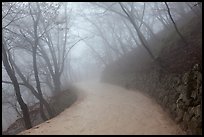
x=178, y=89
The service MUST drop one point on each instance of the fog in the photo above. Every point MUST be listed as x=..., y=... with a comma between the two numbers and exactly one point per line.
x=56, y=44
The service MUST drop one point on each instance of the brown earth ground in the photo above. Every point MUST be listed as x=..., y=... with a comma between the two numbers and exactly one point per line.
x=107, y=109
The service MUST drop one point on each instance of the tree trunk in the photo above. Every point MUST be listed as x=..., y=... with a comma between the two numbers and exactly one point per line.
x=34, y=51
x=42, y=113
x=50, y=111
x=13, y=78
x=34, y=92
x=34, y=54
x=38, y=81
x=57, y=82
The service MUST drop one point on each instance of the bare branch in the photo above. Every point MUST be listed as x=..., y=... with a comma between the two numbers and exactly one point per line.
x=13, y=19
x=73, y=46
x=175, y=24
x=8, y=11
x=142, y=16
x=9, y=82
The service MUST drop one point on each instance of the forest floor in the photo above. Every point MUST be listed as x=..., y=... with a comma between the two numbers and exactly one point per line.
x=107, y=109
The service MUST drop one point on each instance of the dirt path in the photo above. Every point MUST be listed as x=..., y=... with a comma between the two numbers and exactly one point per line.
x=107, y=109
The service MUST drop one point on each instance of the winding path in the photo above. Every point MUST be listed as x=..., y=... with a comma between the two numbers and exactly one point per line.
x=107, y=109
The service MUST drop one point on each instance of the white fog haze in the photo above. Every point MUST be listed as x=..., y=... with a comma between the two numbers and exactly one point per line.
x=101, y=67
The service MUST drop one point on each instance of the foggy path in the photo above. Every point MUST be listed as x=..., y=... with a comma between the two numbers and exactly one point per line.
x=107, y=109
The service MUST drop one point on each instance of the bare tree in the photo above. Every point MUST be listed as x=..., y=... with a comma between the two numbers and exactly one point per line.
x=9, y=69
x=160, y=15
x=105, y=40
x=133, y=12
x=34, y=92
x=34, y=54
x=58, y=52
x=33, y=50
x=141, y=37
x=176, y=28
x=14, y=80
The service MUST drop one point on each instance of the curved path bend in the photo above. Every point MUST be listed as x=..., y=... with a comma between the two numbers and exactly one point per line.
x=107, y=109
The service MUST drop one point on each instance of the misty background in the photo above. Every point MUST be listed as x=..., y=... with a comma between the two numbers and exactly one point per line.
x=86, y=37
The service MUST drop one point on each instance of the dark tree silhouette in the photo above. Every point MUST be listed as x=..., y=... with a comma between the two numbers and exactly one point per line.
x=175, y=26
x=11, y=74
